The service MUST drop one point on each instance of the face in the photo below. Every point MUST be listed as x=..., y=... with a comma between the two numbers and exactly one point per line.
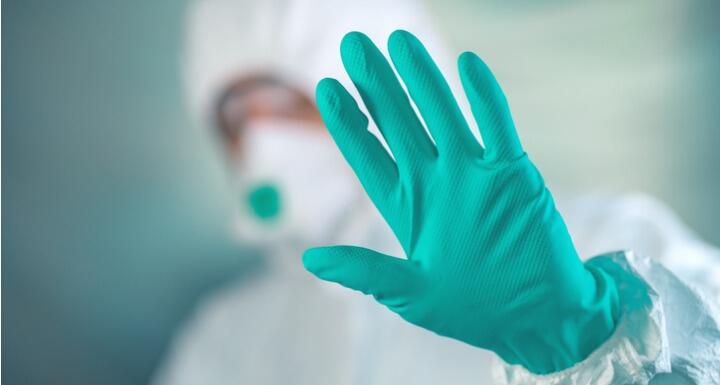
x=261, y=98
x=291, y=179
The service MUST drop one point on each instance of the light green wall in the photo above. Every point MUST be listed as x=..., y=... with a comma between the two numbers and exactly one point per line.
x=609, y=95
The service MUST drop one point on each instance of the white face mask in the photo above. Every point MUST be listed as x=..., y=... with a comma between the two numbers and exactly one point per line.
x=294, y=185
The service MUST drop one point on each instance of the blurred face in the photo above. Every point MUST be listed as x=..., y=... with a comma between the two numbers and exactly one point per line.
x=256, y=99
x=291, y=180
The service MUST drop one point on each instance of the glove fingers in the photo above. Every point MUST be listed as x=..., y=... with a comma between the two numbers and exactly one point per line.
x=386, y=278
x=489, y=108
x=385, y=100
x=431, y=95
x=362, y=150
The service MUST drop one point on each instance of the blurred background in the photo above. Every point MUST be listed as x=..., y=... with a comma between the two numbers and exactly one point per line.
x=116, y=205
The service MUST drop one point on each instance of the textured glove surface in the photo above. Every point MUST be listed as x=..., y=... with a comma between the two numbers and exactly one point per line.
x=488, y=259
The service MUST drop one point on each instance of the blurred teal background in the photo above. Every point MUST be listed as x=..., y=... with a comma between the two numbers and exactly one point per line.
x=115, y=208
x=115, y=213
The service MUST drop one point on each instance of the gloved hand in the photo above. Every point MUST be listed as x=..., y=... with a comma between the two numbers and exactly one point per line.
x=489, y=260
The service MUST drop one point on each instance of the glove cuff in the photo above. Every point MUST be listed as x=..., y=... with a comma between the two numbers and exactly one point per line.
x=564, y=336
x=637, y=349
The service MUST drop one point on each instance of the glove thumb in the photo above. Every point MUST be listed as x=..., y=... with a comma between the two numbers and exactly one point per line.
x=382, y=276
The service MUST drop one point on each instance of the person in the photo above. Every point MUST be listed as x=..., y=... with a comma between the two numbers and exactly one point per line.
x=296, y=191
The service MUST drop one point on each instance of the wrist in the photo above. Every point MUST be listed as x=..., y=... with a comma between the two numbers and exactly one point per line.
x=557, y=340
x=636, y=351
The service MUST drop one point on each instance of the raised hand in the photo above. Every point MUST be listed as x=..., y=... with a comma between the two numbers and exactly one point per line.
x=488, y=259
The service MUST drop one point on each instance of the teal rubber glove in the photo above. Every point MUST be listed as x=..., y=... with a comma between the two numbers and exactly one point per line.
x=489, y=260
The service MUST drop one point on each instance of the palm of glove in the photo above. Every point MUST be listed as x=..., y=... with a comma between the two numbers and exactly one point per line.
x=489, y=260
x=488, y=244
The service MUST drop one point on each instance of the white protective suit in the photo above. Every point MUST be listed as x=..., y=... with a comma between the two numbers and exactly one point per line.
x=284, y=326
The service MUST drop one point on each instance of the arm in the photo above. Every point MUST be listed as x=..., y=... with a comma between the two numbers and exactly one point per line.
x=487, y=257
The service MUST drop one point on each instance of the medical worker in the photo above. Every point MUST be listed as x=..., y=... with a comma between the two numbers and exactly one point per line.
x=483, y=279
